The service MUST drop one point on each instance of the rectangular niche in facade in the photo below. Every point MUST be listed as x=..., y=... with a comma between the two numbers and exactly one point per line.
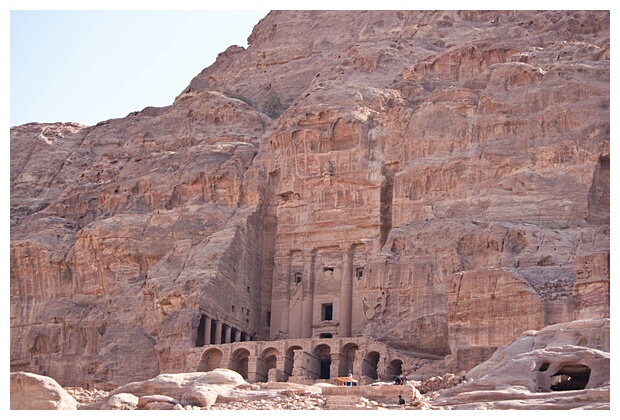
x=327, y=311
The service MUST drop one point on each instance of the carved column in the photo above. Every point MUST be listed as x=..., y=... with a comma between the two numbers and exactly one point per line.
x=346, y=293
x=227, y=331
x=382, y=368
x=358, y=363
x=252, y=364
x=334, y=365
x=285, y=277
x=299, y=364
x=280, y=296
x=218, y=332
x=280, y=366
x=237, y=336
x=307, y=295
x=207, y=330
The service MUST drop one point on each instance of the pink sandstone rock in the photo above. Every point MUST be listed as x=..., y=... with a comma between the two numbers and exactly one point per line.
x=435, y=180
x=563, y=366
x=35, y=392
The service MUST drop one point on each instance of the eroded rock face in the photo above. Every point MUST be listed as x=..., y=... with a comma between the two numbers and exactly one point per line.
x=436, y=180
x=563, y=366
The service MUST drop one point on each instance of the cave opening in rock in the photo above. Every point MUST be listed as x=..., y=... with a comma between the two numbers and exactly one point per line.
x=570, y=377
x=544, y=367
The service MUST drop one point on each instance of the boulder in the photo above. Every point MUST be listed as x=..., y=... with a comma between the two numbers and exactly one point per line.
x=30, y=391
x=198, y=389
x=159, y=405
x=199, y=396
x=143, y=401
x=122, y=401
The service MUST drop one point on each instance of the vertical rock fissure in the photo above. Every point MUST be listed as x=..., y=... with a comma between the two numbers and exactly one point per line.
x=599, y=196
x=387, y=191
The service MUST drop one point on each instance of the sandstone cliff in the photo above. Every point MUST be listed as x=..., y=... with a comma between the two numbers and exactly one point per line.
x=435, y=180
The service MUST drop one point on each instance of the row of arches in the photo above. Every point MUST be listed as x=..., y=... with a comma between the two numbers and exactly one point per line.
x=321, y=362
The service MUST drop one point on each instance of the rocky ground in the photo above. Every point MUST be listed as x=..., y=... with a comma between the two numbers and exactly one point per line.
x=286, y=399
x=522, y=375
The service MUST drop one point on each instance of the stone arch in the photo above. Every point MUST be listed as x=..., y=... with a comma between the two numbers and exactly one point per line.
x=210, y=359
x=266, y=362
x=570, y=377
x=289, y=360
x=323, y=361
x=347, y=359
x=394, y=368
x=370, y=364
x=239, y=362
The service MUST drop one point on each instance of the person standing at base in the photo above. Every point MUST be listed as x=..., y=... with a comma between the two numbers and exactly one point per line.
x=401, y=401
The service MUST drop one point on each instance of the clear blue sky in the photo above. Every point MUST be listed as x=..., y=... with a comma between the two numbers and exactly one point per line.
x=88, y=66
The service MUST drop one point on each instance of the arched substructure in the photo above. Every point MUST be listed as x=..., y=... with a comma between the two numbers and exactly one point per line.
x=394, y=368
x=239, y=362
x=347, y=359
x=370, y=364
x=265, y=363
x=322, y=361
x=289, y=362
x=211, y=359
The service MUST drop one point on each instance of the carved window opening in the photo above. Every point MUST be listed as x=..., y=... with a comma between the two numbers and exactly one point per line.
x=297, y=278
x=331, y=269
x=325, y=335
x=327, y=311
x=359, y=272
x=269, y=318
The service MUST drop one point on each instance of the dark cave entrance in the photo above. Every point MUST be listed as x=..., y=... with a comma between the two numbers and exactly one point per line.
x=570, y=377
